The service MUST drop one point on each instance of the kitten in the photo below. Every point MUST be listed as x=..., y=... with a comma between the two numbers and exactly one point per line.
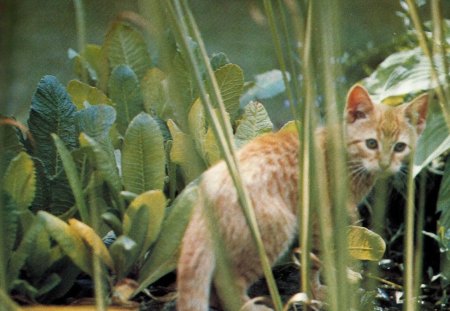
x=379, y=140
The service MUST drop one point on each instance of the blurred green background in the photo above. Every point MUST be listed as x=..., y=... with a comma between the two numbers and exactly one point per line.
x=36, y=34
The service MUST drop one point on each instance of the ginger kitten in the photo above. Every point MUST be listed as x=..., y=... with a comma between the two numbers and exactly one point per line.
x=379, y=140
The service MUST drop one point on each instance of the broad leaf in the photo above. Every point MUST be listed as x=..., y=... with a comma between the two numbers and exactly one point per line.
x=164, y=254
x=396, y=80
x=83, y=95
x=204, y=138
x=230, y=79
x=92, y=64
x=218, y=60
x=68, y=240
x=255, y=121
x=267, y=85
x=93, y=241
x=102, y=162
x=182, y=90
x=26, y=247
x=435, y=140
x=153, y=93
x=123, y=251
x=20, y=180
x=97, y=122
x=125, y=46
x=443, y=204
x=154, y=202
x=143, y=156
x=9, y=224
x=73, y=177
x=184, y=154
x=364, y=244
x=125, y=91
x=52, y=112
x=402, y=73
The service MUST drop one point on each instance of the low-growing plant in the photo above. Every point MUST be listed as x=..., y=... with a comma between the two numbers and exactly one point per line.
x=118, y=152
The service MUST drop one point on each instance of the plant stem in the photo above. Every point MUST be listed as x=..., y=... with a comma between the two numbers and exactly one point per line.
x=221, y=128
x=81, y=31
x=444, y=103
x=409, y=276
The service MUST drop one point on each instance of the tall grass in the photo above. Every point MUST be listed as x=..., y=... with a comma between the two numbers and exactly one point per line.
x=322, y=181
x=316, y=186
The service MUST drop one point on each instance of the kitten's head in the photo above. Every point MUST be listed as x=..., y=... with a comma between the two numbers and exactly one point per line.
x=380, y=137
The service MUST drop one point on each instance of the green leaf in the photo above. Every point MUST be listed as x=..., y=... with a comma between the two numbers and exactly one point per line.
x=113, y=222
x=9, y=224
x=68, y=240
x=93, y=61
x=443, y=203
x=93, y=241
x=230, y=79
x=102, y=162
x=184, y=153
x=164, y=254
x=153, y=93
x=125, y=46
x=73, y=177
x=401, y=76
x=82, y=94
x=181, y=85
x=255, y=121
x=20, y=180
x=402, y=73
x=125, y=91
x=25, y=249
x=52, y=112
x=40, y=255
x=10, y=146
x=267, y=85
x=143, y=156
x=154, y=202
x=97, y=122
x=434, y=141
x=218, y=60
x=123, y=251
x=204, y=138
x=364, y=244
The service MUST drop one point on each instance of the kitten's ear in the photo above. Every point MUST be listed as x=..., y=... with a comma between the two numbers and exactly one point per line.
x=359, y=104
x=416, y=112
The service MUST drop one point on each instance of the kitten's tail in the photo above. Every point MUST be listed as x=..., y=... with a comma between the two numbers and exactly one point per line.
x=195, y=267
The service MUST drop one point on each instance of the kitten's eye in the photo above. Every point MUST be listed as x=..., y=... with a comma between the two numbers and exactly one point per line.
x=372, y=143
x=399, y=147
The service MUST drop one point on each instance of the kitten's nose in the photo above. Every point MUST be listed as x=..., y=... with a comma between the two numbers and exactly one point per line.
x=384, y=164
